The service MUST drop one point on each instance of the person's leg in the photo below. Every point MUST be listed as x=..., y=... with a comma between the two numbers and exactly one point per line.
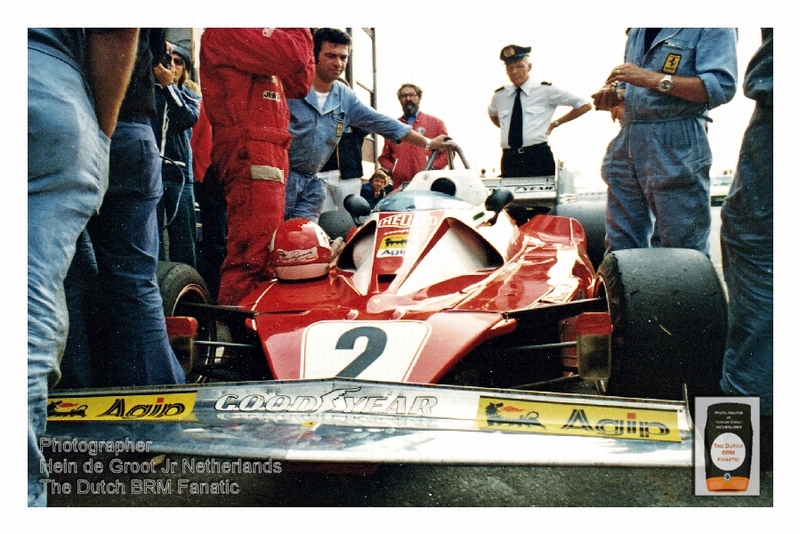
x=628, y=218
x=182, y=228
x=76, y=363
x=331, y=179
x=125, y=239
x=255, y=209
x=349, y=186
x=747, y=261
x=67, y=176
x=675, y=161
x=541, y=160
x=211, y=249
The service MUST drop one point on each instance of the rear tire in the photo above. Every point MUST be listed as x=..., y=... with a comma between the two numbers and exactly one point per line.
x=592, y=216
x=669, y=314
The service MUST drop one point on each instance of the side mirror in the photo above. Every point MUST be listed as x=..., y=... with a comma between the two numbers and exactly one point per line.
x=356, y=206
x=498, y=199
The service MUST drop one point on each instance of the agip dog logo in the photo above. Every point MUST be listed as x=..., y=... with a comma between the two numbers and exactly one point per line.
x=166, y=407
x=577, y=419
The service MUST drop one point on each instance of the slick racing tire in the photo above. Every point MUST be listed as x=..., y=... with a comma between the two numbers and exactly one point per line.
x=592, y=216
x=181, y=285
x=669, y=316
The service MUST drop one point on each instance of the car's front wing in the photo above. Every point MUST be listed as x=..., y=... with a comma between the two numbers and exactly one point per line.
x=352, y=421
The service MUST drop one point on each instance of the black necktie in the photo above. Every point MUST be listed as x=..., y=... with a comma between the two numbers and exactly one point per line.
x=515, y=128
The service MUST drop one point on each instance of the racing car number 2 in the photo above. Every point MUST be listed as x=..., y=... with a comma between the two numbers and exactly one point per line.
x=369, y=350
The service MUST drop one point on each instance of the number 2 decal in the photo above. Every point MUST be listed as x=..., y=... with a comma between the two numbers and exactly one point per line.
x=376, y=343
x=368, y=350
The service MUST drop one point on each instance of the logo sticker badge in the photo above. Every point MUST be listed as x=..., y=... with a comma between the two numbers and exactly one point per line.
x=671, y=64
x=577, y=419
x=163, y=407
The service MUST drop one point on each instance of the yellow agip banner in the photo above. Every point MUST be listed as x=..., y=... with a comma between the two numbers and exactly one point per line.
x=157, y=407
x=496, y=413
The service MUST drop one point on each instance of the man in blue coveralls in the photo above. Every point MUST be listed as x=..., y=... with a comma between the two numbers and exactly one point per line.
x=746, y=238
x=319, y=120
x=657, y=167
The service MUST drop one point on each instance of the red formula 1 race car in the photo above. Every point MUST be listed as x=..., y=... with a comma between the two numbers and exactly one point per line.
x=439, y=285
x=435, y=329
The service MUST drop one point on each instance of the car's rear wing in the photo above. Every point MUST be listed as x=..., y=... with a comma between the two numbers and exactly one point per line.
x=539, y=193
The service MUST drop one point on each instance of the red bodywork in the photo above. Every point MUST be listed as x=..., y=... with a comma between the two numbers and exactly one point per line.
x=412, y=293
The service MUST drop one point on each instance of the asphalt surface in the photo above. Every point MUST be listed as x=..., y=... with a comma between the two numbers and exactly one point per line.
x=396, y=485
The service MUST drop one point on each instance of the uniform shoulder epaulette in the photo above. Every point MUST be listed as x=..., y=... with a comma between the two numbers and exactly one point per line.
x=546, y=83
x=498, y=89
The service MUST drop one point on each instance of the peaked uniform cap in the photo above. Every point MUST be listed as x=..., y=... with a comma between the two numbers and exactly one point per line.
x=513, y=53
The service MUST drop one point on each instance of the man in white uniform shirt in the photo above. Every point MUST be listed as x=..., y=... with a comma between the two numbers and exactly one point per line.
x=524, y=133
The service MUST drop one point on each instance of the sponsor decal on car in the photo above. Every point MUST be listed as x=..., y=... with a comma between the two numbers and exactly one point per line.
x=393, y=245
x=404, y=220
x=157, y=407
x=342, y=400
x=577, y=419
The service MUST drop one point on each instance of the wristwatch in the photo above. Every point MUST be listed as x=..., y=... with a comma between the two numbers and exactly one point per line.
x=427, y=144
x=665, y=85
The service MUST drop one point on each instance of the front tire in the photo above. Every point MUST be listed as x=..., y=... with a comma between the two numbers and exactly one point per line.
x=181, y=285
x=669, y=314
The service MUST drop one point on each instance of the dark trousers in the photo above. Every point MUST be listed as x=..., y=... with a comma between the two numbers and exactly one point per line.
x=535, y=160
x=176, y=210
x=211, y=248
x=132, y=348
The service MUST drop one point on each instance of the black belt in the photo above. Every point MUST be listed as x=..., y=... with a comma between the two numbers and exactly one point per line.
x=522, y=149
x=137, y=118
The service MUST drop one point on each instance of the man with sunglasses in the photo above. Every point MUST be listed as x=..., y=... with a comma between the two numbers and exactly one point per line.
x=177, y=111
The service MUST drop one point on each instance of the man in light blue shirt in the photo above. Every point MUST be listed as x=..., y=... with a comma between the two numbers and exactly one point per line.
x=319, y=120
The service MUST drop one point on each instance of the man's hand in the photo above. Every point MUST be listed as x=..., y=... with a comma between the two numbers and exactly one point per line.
x=691, y=88
x=163, y=75
x=630, y=73
x=606, y=98
x=440, y=142
x=616, y=112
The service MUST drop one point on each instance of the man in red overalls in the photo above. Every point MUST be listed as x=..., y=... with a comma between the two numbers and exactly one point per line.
x=246, y=76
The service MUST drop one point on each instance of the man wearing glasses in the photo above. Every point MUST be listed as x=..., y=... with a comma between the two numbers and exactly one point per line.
x=402, y=161
x=177, y=111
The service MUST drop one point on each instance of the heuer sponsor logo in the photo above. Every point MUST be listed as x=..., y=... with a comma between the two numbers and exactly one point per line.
x=577, y=420
x=336, y=401
x=403, y=220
